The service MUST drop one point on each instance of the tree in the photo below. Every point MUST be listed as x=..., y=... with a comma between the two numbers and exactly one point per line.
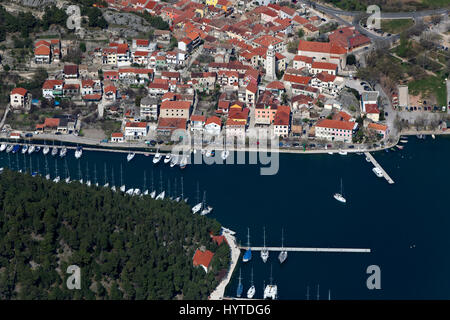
x=351, y=59
x=83, y=47
x=301, y=33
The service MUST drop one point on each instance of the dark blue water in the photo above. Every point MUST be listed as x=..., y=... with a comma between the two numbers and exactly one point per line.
x=406, y=225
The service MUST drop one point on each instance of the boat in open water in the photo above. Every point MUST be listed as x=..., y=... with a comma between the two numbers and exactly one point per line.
x=248, y=253
x=340, y=196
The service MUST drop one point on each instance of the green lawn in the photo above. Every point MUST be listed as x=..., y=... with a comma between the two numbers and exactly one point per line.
x=430, y=86
x=396, y=25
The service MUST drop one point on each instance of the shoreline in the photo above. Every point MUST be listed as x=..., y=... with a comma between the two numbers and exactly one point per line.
x=147, y=150
x=219, y=292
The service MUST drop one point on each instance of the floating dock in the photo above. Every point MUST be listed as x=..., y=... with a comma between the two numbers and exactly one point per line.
x=305, y=249
x=377, y=165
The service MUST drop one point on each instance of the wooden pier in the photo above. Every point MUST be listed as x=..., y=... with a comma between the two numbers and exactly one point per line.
x=305, y=249
x=376, y=164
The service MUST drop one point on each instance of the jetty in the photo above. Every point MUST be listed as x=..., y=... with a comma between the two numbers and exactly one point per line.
x=307, y=249
x=219, y=292
x=377, y=165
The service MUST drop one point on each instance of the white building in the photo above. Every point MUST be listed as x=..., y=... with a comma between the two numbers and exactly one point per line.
x=135, y=130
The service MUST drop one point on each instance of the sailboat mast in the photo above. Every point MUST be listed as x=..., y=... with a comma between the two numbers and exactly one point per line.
x=264, y=236
x=248, y=237
x=182, y=191
x=145, y=179
x=307, y=293
x=282, y=238
x=121, y=178
x=318, y=292
x=112, y=176
x=252, y=277
x=329, y=294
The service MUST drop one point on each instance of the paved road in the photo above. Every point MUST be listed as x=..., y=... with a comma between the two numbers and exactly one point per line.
x=4, y=116
x=386, y=15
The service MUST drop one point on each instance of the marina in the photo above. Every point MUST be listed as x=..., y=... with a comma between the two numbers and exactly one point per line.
x=318, y=221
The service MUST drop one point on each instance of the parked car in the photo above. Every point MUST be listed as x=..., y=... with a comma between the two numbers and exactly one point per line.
x=28, y=135
x=386, y=114
x=351, y=147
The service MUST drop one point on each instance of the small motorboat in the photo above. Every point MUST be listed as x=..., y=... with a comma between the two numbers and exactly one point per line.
x=54, y=151
x=342, y=152
x=130, y=192
x=157, y=157
x=31, y=149
x=167, y=158
x=24, y=149
x=136, y=192
x=9, y=148
x=197, y=207
x=400, y=147
x=183, y=162
x=174, y=161
x=367, y=159
x=3, y=147
x=378, y=172
x=37, y=149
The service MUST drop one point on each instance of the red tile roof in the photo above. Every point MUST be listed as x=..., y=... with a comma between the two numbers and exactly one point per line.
x=323, y=47
x=136, y=125
x=202, y=258
x=371, y=108
x=168, y=104
x=377, y=126
x=20, y=91
x=51, y=122
x=214, y=119
x=297, y=79
x=50, y=84
x=336, y=124
x=275, y=85
x=323, y=65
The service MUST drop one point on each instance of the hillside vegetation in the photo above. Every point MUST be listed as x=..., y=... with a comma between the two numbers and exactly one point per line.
x=126, y=247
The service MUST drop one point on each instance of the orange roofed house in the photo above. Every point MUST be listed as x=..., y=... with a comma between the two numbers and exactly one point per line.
x=282, y=122
x=323, y=52
x=335, y=130
x=20, y=98
x=203, y=259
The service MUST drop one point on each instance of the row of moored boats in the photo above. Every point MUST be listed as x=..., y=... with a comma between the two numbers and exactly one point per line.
x=30, y=148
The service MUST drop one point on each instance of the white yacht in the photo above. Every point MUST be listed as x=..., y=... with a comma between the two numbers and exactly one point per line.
x=251, y=291
x=54, y=151
x=153, y=194
x=283, y=254
x=56, y=179
x=161, y=196
x=340, y=196
x=78, y=152
x=197, y=207
x=342, y=152
x=31, y=149
x=122, y=188
x=157, y=157
x=174, y=161
x=24, y=149
x=264, y=251
x=130, y=192
x=130, y=156
x=9, y=148
x=63, y=152
x=3, y=147
x=136, y=192
x=46, y=150
x=224, y=154
x=271, y=290
x=378, y=172
x=167, y=158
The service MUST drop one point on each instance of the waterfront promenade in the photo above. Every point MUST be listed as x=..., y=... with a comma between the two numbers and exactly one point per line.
x=219, y=292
